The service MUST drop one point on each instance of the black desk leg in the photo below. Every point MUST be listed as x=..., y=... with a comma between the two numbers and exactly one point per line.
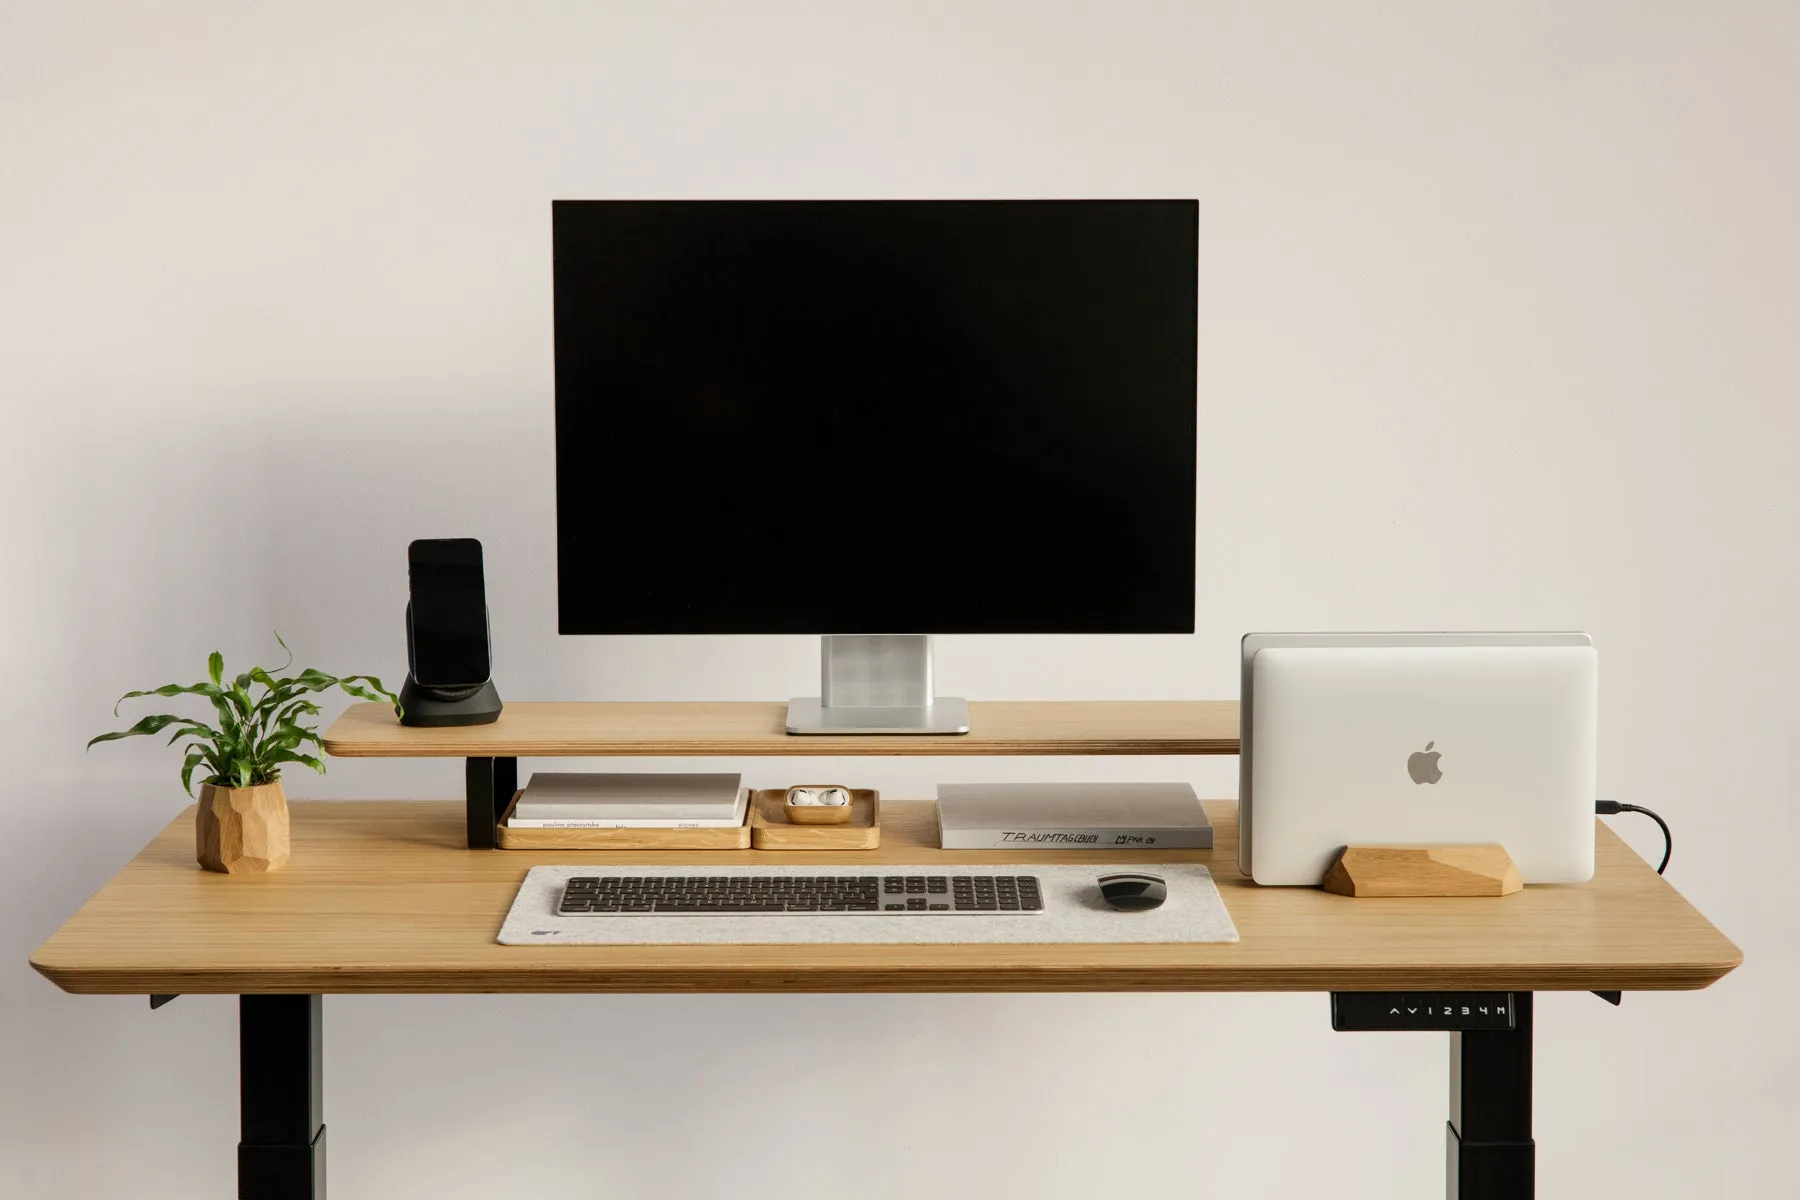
x=1491, y=1154
x=281, y=1099
x=489, y=784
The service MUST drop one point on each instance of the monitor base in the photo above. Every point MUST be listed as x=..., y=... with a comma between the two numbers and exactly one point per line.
x=877, y=683
x=946, y=714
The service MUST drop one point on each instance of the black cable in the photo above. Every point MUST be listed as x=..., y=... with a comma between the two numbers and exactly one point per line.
x=1608, y=808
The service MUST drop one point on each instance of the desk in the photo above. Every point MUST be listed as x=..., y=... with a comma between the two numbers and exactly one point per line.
x=386, y=897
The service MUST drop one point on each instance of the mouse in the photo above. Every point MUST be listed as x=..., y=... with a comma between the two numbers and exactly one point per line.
x=1133, y=891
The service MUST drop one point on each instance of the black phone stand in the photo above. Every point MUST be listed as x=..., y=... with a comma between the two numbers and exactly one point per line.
x=421, y=705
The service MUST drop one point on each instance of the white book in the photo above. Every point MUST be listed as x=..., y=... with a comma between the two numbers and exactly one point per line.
x=617, y=800
x=1071, y=816
x=731, y=821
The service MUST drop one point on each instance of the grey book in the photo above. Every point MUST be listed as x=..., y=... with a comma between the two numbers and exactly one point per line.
x=1071, y=816
x=645, y=801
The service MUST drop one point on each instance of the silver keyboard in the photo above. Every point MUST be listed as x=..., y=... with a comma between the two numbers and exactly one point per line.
x=911, y=893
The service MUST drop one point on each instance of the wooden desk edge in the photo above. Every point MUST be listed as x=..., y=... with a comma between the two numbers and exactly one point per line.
x=1574, y=977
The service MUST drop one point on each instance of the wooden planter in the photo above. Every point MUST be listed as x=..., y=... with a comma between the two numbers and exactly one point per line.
x=242, y=831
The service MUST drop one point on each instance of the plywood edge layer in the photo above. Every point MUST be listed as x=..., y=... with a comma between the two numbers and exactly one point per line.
x=727, y=979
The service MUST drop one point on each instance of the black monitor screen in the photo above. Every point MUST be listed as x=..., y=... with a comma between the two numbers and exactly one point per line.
x=875, y=416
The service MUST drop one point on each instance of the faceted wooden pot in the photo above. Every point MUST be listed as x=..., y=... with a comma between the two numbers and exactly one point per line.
x=242, y=831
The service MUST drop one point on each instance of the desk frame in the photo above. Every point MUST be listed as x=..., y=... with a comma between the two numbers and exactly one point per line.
x=281, y=1155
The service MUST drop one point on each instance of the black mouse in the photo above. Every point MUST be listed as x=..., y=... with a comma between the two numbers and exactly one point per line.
x=1133, y=891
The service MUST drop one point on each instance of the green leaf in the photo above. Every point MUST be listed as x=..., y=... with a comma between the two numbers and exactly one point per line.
x=227, y=718
x=194, y=759
x=171, y=689
x=366, y=694
x=240, y=771
x=290, y=654
x=295, y=709
x=193, y=728
x=273, y=695
x=314, y=680
x=293, y=756
x=215, y=666
x=148, y=725
x=290, y=733
x=380, y=692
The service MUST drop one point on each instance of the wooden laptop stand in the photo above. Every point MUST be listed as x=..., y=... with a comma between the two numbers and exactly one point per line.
x=1423, y=871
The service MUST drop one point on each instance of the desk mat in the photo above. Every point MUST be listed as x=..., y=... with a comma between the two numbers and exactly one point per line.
x=1073, y=912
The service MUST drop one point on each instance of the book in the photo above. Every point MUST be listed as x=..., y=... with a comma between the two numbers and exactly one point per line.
x=616, y=800
x=730, y=820
x=1071, y=816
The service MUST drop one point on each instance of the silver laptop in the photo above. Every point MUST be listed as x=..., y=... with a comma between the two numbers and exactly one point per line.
x=1417, y=737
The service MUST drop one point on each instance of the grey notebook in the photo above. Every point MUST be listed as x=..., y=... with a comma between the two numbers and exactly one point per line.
x=1071, y=816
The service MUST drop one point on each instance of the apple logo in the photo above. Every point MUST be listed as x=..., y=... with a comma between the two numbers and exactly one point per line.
x=1422, y=766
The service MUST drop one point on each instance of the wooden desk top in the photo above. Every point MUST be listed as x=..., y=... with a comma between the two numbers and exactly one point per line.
x=759, y=728
x=382, y=896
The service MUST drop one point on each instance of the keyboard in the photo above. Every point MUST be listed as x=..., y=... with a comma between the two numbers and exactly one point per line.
x=887, y=895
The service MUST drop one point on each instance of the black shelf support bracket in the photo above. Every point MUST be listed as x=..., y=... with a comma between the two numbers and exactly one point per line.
x=158, y=999
x=281, y=1098
x=489, y=784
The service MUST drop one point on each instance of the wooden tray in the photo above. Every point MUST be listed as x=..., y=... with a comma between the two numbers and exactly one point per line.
x=735, y=838
x=771, y=830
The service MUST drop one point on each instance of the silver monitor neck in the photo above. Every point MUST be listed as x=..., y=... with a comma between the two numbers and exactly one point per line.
x=877, y=683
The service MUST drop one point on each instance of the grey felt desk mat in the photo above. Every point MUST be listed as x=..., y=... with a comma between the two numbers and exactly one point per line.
x=1073, y=912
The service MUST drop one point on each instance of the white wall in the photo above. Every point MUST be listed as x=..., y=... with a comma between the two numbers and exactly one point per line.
x=1498, y=329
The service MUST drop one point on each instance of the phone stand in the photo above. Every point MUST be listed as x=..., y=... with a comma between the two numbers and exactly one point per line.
x=421, y=705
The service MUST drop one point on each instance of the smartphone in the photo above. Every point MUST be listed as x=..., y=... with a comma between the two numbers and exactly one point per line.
x=447, y=625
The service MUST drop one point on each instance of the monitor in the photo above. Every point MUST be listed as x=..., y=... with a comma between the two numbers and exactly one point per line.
x=875, y=418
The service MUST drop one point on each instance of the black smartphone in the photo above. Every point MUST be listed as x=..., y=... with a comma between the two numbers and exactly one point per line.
x=447, y=626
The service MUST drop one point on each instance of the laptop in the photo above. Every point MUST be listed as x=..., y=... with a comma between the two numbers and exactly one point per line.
x=1395, y=738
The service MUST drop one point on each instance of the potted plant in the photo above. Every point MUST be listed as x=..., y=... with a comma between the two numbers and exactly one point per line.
x=242, y=823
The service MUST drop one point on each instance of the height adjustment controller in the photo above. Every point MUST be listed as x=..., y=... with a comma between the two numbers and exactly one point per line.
x=1372, y=1011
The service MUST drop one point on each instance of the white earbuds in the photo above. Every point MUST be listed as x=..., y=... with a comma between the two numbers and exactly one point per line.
x=829, y=797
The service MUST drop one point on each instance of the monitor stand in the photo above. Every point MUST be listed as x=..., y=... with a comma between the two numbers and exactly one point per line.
x=877, y=683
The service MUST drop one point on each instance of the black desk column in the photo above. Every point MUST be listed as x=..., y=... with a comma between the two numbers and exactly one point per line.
x=1491, y=1153
x=281, y=1098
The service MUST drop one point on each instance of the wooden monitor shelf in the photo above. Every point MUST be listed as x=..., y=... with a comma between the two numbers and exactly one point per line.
x=551, y=730
x=684, y=730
